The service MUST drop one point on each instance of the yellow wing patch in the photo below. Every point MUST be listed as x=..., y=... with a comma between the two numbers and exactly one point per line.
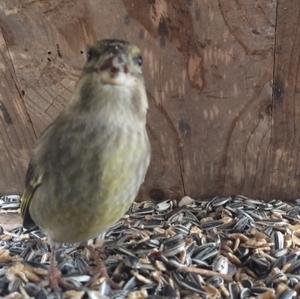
x=26, y=199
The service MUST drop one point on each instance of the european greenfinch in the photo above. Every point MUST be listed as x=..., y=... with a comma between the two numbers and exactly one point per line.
x=88, y=165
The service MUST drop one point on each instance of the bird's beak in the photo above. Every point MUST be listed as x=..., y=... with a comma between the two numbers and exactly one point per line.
x=114, y=69
x=115, y=64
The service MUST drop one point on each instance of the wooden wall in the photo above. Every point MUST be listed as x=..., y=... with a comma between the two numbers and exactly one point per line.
x=222, y=80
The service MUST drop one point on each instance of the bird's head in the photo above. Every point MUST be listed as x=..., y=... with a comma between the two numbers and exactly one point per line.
x=115, y=62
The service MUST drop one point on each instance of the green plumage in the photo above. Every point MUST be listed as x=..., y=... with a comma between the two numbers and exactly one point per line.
x=87, y=167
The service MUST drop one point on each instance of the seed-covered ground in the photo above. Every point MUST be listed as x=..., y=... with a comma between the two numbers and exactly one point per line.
x=225, y=247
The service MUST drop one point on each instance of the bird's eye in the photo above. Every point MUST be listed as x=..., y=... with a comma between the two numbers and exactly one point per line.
x=139, y=60
x=89, y=55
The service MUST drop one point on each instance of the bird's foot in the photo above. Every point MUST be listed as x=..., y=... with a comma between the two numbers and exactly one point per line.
x=100, y=269
x=98, y=272
x=56, y=281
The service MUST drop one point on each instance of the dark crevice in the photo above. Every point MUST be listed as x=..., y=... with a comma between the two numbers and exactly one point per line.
x=274, y=93
x=276, y=90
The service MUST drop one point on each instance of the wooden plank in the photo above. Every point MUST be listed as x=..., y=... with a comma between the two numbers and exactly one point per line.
x=49, y=51
x=284, y=151
x=215, y=127
x=214, y=79
x=16, y=130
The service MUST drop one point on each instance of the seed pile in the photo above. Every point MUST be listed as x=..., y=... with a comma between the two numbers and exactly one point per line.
x=226, y=247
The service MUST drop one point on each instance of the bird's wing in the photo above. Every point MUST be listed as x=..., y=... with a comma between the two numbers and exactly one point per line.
x=32, y=180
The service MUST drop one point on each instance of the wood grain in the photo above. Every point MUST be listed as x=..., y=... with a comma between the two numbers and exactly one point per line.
x=16, y=130
x=221, y=79
x=284, y=161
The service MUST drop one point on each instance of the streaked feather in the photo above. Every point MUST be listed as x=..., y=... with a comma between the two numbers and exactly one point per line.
x=31, y=183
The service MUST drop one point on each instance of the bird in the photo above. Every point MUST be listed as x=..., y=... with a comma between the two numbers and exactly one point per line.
x=88, y=165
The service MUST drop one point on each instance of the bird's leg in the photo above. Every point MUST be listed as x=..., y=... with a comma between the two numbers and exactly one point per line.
x=55, y=277
x=100, y=269
x=54, y=272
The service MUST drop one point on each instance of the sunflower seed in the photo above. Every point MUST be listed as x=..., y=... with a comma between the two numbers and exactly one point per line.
x=278, y=240
x=288, y=294
x=225, y=247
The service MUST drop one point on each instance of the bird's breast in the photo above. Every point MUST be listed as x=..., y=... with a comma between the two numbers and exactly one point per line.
x=93, y=184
